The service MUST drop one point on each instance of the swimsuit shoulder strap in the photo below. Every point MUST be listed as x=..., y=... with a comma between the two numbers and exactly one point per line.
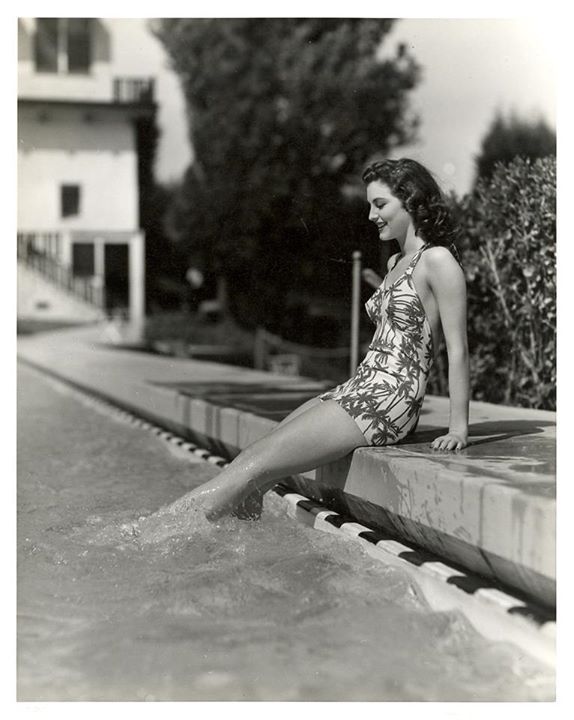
x=396, y=257
x=415, y=259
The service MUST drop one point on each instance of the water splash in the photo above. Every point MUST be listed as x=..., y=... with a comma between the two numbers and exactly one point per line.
x=167, y=523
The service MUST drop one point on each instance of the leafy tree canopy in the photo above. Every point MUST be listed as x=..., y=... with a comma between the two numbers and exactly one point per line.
x=282, y=113
x=508, y=138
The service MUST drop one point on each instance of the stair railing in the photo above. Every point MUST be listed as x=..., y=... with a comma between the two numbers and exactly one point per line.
x=35, y=251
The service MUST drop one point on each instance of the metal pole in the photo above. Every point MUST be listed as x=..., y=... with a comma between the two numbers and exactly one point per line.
x=356, y=299
x=259, y=349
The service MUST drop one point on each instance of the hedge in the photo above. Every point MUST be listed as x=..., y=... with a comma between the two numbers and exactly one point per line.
x=508, y=243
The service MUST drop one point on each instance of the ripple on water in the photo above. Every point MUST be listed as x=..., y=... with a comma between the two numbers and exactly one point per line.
x=234, y=600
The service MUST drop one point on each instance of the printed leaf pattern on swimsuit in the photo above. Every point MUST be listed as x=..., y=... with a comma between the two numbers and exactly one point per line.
x=386, y=393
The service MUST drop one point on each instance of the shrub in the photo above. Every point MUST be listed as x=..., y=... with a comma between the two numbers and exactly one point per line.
x=509, y=240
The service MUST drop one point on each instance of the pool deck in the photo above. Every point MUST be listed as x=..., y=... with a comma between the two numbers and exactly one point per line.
x=490, y=509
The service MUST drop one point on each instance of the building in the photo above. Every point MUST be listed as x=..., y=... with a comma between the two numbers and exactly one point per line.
x=80, y=135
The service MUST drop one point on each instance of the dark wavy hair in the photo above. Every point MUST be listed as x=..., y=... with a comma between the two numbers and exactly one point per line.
x=421, y=197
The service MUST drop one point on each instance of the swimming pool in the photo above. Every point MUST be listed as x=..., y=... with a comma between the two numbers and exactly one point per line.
x=189, y=610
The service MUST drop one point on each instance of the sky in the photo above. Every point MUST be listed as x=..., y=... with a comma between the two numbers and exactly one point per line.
x=472, y=68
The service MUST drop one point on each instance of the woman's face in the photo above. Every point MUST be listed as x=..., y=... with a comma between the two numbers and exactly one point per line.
x=387, y=212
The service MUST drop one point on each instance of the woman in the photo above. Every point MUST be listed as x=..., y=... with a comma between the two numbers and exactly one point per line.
x=424, y=290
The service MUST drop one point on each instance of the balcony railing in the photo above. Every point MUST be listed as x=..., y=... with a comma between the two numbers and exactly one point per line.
x=133, y=90
x=40, y=251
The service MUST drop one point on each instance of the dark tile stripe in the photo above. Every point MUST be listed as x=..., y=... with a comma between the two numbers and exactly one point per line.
x=538, y=616
x=470, y=584
x=416, y=557
x=308, y=505
x=338, y=520
x=374, y=536
x=281, y=490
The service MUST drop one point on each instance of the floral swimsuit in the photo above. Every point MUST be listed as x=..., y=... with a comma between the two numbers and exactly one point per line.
x=385, y=395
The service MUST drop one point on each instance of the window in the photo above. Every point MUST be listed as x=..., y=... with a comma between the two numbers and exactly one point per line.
x=63, y=45
x=70, y=200
x=47, y=44
x=79, y=46
x=83, y=260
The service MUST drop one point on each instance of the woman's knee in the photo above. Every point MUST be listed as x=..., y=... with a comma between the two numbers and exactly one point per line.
x=319, y=435
x=299, y=410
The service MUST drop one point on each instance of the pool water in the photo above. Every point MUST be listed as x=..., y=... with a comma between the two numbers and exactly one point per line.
x=192, y=610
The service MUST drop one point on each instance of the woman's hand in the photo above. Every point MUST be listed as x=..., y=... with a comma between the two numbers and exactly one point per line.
x=451, y=441
x=371, y=277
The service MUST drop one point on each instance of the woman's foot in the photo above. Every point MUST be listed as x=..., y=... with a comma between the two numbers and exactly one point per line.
x=250, y=508
x=219, y=496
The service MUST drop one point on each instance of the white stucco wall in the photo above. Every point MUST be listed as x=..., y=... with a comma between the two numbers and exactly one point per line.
x=97, y=153
x=97, y=86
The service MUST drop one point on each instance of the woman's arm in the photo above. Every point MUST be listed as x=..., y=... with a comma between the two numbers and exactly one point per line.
x=448, y=285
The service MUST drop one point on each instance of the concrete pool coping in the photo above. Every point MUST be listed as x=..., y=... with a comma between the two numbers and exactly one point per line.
x=489, y=509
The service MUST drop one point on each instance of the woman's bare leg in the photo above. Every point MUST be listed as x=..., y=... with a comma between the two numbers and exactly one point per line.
x=251, y=505
x=321, y=433
x=298, y=410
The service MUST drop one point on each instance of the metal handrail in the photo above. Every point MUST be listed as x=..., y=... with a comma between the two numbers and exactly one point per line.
x=133, y=90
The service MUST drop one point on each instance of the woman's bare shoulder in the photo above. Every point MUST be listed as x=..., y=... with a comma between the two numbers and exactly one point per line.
x=439, y=257
x=441, y=264
x=438, y=254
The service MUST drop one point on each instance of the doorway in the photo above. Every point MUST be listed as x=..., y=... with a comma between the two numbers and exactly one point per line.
x=116, y=277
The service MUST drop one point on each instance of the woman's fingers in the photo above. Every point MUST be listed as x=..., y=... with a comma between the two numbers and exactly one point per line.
x=448, y=443
x=437, y=443
x=371, y=277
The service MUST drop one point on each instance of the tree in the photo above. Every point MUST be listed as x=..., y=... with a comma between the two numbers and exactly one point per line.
x=511, y=137
x=282, y=112
x=164, y=267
